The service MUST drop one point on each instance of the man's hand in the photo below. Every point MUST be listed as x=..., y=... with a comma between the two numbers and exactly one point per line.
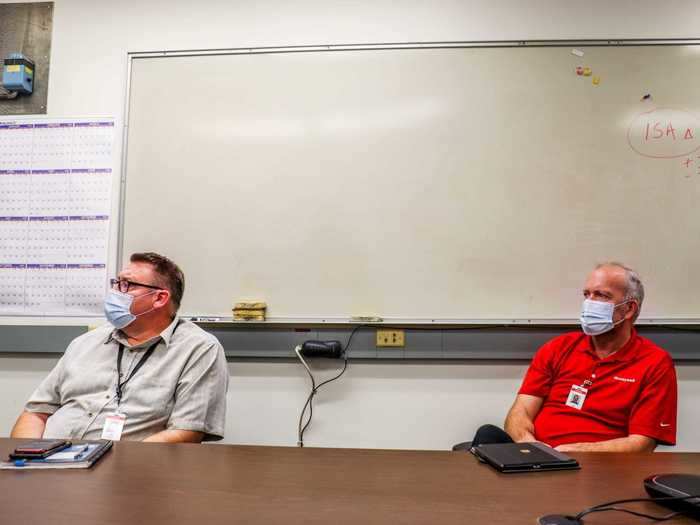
x=631, y=443
x=30, y=425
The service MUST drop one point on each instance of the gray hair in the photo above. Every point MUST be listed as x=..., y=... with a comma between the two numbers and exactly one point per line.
x=634, y=289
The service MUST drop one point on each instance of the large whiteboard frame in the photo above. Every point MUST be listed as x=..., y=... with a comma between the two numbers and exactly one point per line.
x=136, y=55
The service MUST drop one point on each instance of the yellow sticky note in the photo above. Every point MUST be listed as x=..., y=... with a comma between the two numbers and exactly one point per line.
x=596, y=81
x=587, y=71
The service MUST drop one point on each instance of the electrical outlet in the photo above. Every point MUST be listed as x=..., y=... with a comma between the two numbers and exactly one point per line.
x=390, y=338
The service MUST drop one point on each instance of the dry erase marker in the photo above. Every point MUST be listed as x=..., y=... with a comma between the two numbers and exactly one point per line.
x=205, y=319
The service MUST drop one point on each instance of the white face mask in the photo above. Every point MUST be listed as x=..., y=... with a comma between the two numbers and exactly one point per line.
x=117, y=308
x=597, y=316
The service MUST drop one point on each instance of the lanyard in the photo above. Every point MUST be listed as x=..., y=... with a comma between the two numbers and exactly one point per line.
x=142, y=361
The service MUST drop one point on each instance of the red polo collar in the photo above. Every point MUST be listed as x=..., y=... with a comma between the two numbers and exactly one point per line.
x=627, y=353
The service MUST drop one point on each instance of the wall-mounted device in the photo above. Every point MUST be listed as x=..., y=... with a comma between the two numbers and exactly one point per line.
x=18, y=74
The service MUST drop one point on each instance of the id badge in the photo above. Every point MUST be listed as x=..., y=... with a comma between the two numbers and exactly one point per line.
x=114, y=425
x=577, y=395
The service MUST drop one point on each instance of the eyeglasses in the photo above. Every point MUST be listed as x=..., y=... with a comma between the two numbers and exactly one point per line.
x=123, y=285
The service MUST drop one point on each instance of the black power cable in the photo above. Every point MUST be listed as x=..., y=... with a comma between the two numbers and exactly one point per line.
x=610, y=506
x=315, y=388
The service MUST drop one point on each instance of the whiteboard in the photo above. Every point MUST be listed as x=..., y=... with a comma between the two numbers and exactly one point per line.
x=417, y=183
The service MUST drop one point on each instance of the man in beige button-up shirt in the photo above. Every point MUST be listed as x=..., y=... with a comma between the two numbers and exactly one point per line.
x=178, y=394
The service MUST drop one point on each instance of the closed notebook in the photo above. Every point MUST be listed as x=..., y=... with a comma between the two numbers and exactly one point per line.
x=81, y=454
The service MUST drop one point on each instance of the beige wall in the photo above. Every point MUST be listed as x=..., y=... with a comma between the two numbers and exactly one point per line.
x=375, y=405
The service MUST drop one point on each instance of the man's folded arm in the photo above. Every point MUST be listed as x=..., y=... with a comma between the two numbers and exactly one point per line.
x=44, y=401
x=631, y=443
x=520, y=421
x=176, y=436
x=30, y=425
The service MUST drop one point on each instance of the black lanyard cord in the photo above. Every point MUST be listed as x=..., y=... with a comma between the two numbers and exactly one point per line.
x=142, y=361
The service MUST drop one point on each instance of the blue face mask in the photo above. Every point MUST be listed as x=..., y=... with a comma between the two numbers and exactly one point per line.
x=117, y=308
x=597, y=316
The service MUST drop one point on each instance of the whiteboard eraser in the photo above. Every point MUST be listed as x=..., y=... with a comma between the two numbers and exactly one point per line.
x=366, y=319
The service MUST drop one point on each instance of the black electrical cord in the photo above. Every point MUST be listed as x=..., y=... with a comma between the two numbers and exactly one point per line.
x=300, y=431
x=310, y=401
x=610, y=506
x=634, y=513
x=315, y=388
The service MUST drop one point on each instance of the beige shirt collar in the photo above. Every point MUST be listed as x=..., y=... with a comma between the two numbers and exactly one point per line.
x=166, y=335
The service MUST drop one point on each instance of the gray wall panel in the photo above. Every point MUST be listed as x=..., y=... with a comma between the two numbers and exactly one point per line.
x=362, y=344
x=263, y=342
x=435, y=343
x=423, y=344
x=681, y=343
x=38, y=339
x=496, y=343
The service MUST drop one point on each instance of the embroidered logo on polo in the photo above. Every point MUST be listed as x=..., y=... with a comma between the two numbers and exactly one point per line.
x=625, y=379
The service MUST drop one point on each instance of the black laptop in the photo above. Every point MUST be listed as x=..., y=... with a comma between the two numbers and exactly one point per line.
x=524, y=457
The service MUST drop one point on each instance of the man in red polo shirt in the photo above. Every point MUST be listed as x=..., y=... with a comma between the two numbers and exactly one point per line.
x=606, y=389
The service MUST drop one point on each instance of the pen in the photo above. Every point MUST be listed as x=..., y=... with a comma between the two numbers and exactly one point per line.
x=82, y=451
x=205, y=319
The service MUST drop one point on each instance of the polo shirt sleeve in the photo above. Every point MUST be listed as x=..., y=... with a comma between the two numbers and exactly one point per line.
x=654, y=413
x=539, y=376
x=200, y=395
x=46, y=399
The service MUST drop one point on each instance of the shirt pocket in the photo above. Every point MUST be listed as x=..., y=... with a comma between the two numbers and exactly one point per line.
x=83, y=379
x=147, y=399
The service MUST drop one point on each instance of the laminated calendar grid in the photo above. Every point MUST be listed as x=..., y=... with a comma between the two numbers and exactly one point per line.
x=55, y=201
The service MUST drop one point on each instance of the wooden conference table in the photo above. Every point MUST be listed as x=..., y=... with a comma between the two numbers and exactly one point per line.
x=140, y=483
